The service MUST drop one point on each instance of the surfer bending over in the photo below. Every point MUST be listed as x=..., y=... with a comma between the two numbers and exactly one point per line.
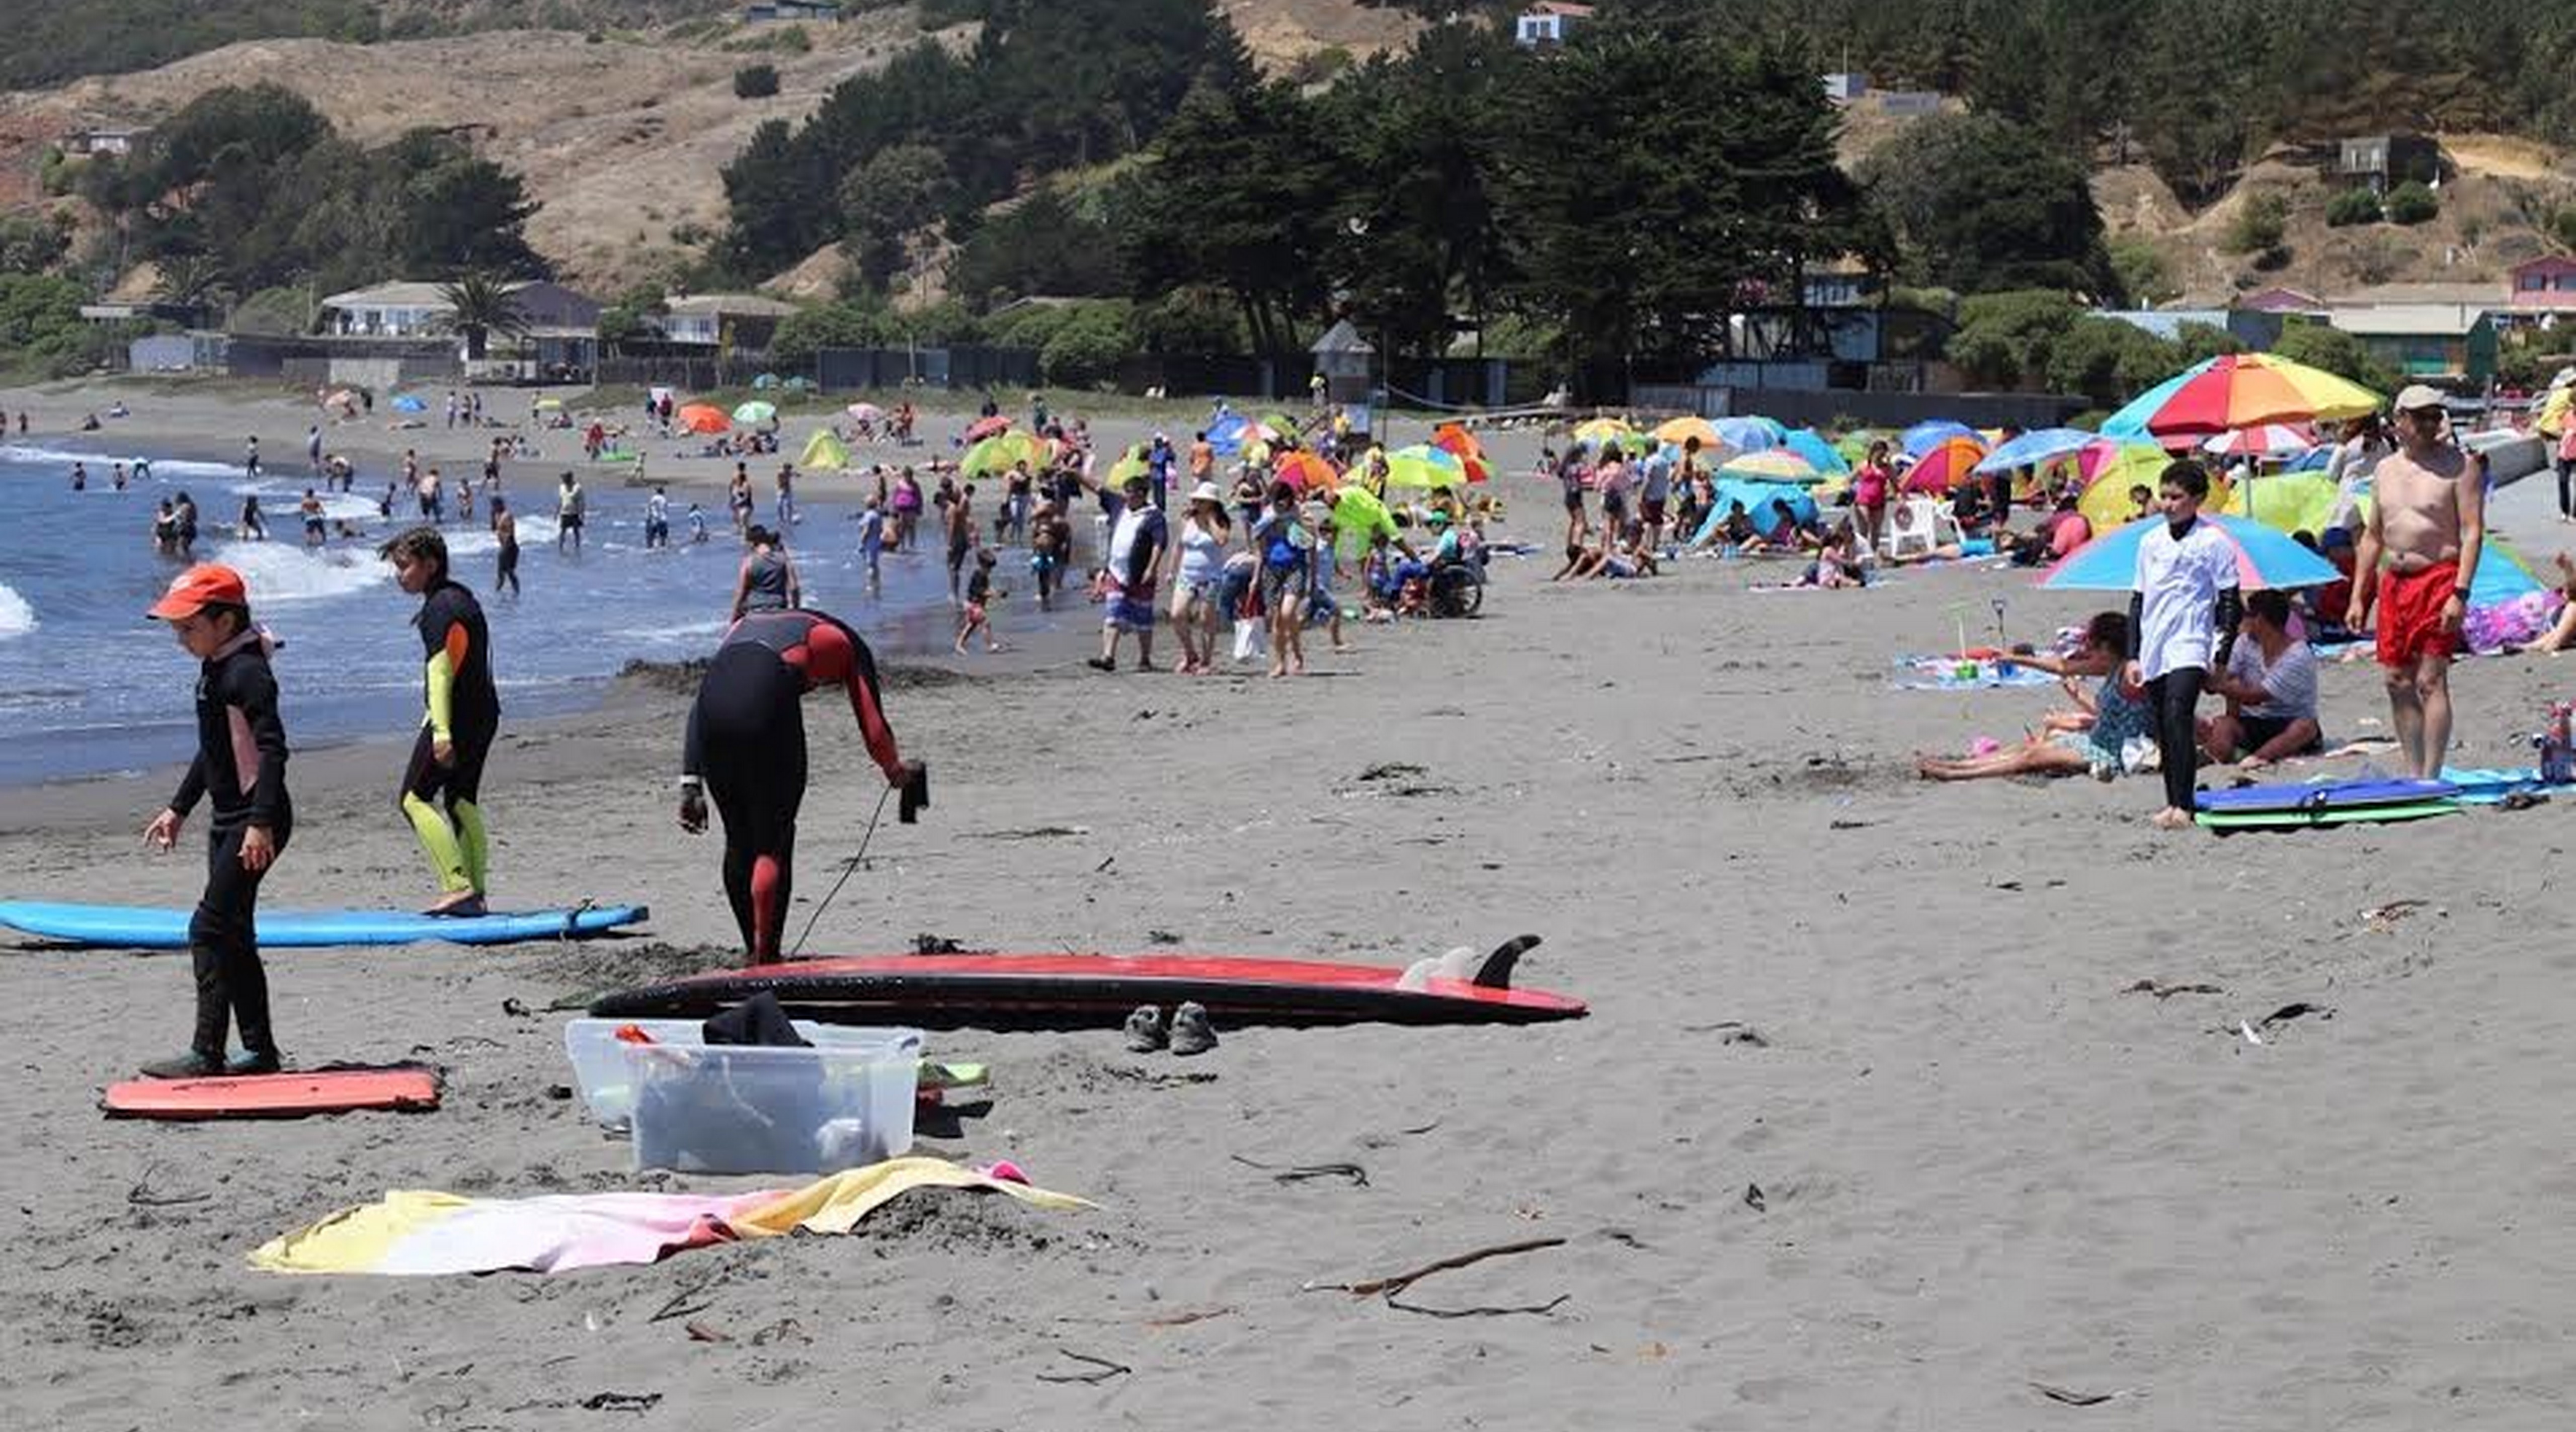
x=241, y=763
x=746, y=739
x=456, y=734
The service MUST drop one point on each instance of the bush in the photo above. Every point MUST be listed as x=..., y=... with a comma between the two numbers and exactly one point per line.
x=2259, y=226
x=2143, y=272
x=2412, y=203
x=1086, y=348
x=2353, y=206
x=755, y=82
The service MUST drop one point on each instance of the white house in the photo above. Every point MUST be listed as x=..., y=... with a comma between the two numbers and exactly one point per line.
x=417, y=310
x=1550, y=22
x=712, y=320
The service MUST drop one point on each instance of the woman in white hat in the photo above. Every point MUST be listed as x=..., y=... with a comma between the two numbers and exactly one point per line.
x=1202, y=546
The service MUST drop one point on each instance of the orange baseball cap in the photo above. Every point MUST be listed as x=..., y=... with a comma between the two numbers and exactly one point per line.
x=201, y=586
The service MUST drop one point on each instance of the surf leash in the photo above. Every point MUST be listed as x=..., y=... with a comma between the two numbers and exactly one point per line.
x=846, y=871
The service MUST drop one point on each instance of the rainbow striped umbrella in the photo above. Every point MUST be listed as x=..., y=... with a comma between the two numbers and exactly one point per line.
x=2264, y=558
x=1945, y=466
x=2239, y=390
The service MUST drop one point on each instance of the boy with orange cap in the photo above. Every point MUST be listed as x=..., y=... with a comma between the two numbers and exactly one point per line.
x=241, y=765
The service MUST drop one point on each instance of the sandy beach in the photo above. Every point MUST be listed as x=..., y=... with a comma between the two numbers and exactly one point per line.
x=1870, y=1125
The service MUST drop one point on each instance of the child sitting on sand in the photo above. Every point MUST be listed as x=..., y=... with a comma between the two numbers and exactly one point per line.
x=2119, y=713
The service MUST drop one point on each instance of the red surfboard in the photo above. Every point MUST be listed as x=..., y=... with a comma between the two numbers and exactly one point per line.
x=403, y=1087
x=1087, y=991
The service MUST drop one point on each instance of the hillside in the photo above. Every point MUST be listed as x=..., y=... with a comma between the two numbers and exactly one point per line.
x=622, y=134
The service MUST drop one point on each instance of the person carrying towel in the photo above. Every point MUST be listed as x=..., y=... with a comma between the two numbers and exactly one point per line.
x=241, y=763
x=456, y=734
x=746, y=740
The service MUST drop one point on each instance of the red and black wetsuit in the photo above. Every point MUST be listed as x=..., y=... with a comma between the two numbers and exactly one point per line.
x=747, y=741
x=241, y=765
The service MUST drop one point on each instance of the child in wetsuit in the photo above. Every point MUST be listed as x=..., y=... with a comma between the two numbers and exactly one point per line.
x=456, y=734
x=241, y=764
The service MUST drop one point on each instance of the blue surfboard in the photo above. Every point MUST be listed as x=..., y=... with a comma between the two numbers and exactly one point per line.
x=138, y=927
x=2324, y=795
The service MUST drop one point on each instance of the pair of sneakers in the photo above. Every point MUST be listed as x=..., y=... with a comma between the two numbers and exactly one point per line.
x=1189, y=1031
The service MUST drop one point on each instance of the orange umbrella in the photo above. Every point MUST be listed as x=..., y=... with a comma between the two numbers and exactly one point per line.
x=702, y=418
x=1305, y=472
x=1462, y=445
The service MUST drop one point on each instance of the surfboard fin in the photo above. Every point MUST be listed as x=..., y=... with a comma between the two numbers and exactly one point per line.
x=1496, y=972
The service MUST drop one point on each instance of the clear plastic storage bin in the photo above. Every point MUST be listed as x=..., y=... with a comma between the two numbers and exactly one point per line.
x=728, y=1108
x=599, y=1057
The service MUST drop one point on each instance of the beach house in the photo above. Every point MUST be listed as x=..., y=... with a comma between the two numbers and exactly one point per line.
x=730, y=321
x=1550, y=22
x=2434, y=341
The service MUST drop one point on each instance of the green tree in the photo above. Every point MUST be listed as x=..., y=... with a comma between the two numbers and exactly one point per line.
x=1235, y=196
x=1985, y=206
x=2259, y=224
x=2351, y=207
x=479, y=306
x=33, y=243
x=2412, y=203
x=755, y=81
x=2109, y=361
x=848, y=324
x=2005, y=340
x=898, y=193
x=2142, y=271
x=2319, y=345
x=1043, y=245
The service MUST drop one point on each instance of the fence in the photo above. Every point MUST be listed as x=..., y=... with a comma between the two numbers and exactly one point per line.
x=1877, y=409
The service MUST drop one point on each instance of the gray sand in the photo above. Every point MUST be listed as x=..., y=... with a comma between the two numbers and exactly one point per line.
x=1982, y=1162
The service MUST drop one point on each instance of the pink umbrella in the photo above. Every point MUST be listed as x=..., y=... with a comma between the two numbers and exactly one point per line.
x=983, y=428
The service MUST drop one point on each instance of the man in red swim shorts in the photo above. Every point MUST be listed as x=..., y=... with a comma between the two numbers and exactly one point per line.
x=2420, y=552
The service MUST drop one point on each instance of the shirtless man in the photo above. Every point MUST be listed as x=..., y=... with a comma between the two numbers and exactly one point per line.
x=2419, y=551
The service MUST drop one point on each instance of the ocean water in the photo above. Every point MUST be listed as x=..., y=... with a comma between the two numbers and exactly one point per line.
x=88, y=685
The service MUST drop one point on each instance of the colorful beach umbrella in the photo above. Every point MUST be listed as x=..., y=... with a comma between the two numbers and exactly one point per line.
x=544, y=405
x=1306, y=472
x=701, y=418
x=1424, y=468
x=1823, y=456
x=1924, y=437
x=1678, y=431
x=1944, y=466
x=2262, y=440
x=998, y=452
x=2109, y=469
x=1752, y=434
x=1279, y=426
x=2240, y=390
x=983, y=428
x=2034, y=448
x=1776, y=466
x=2289, y=501
x=1131, y=463
x=755, y=412
x=2264, y=558
x=865, y=412
x=1463, y=445
x=1600, y=431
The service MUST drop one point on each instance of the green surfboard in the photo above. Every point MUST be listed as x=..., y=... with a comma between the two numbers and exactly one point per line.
x=2287, y=819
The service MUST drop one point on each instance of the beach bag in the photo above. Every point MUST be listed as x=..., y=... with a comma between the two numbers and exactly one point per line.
x=1247, y=638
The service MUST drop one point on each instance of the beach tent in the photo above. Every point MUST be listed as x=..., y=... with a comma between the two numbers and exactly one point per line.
x=2110, y=468
x=1462, y=445
x=755, y=413
x=1924, y=437
x=1944, y=466
x=407, y=403
x=825, y=453
x=1130, y=463
x=1757, y=498
x=1754, y=434
x=996, y=454
x=701, y=418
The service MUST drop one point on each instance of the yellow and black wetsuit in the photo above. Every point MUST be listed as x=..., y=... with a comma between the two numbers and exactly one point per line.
x=465, y=712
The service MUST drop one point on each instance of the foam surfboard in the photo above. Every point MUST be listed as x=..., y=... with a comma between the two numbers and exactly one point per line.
x=138, y=927
x=2223, y=821
x=2324, y=795
x=1062, y=991
x=405, y=1087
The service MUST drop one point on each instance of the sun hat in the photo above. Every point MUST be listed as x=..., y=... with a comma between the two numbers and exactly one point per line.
x=208, y=584
x=1207, y=492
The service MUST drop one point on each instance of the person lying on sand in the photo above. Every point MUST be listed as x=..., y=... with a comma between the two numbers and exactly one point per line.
x=2119, y=711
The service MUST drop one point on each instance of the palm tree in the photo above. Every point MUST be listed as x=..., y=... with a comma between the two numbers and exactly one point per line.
x=480, y=305
x=191, y=281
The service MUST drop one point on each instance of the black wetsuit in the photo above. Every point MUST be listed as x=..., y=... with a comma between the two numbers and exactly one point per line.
x=746, y=739
x=465, y=707
x=241, y=764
